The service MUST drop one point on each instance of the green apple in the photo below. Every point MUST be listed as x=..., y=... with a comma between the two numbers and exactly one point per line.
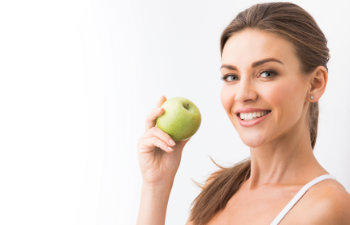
x=181, y=118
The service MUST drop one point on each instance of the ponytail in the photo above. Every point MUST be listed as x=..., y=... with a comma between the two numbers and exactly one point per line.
x=219, y=188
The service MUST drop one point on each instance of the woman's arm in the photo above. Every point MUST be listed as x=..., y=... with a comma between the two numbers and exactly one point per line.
x=159, y=159
x=153, y=205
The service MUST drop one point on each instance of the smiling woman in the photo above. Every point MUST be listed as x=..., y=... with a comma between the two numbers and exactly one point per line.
x=274, y=71
x=253, y=92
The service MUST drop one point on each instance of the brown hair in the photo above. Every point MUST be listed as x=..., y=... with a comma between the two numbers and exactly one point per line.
x=297, y=26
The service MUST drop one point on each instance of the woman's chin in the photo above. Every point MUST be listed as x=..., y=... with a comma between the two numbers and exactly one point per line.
x=253, y=141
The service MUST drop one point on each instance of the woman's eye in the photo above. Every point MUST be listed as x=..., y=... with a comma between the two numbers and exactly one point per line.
x=229, y=77
x=268, y=73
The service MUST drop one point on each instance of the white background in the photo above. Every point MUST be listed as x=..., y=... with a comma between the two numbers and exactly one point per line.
x=78, y=77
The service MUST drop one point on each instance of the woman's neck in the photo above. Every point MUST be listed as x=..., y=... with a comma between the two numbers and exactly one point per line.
x=286, y=160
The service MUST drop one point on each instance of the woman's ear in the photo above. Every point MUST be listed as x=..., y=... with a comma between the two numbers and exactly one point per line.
x=318, y=81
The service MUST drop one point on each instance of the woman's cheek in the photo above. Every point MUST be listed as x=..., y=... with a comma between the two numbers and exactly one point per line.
x=278, y=95
x=282, y=99
x=226, y=98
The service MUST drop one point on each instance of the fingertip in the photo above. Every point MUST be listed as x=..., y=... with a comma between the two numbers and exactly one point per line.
x=161, y=100
x=171, y=142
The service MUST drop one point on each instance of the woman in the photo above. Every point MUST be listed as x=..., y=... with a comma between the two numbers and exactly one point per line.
x=274, y=68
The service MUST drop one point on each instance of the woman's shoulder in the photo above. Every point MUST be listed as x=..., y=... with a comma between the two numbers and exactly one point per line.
x=328, y=203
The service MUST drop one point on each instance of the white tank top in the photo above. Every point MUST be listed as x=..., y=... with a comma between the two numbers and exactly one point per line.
x=298, y=196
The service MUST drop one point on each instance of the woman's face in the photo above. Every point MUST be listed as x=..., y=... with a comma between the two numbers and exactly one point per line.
x=264, y=91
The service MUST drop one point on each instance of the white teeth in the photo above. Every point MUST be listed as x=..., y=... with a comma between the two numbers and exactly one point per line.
x=250, y=116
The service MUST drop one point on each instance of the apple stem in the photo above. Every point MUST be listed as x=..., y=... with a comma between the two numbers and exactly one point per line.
x=186, y=105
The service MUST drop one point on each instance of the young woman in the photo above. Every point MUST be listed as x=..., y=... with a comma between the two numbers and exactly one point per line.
x=274, y=68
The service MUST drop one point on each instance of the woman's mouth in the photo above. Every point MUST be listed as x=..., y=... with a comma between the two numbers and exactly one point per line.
x=252, y=118
x=252, y=115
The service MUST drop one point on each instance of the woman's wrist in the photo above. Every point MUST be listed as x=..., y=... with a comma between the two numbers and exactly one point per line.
x=157, y=187
x=158, y=183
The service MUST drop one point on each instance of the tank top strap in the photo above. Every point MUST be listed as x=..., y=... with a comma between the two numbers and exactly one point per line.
x=298, y=196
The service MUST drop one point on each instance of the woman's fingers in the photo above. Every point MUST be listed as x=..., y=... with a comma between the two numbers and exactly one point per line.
x=155, y=131
x=148, y=144
x=156, y=137
x=151, y=118
x=161, y=101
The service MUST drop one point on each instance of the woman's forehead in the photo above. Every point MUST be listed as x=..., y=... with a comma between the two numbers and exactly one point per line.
x=252, y=45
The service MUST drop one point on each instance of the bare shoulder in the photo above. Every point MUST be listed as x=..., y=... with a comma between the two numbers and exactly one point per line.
x=330, y=203
x=189, y=223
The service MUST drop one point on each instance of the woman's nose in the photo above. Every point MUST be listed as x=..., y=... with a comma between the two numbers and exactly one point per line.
x=245, y=91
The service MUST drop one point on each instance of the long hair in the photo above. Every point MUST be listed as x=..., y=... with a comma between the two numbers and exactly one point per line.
x=297, y=26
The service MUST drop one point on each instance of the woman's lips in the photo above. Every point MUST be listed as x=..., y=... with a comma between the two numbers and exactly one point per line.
x=252, y=122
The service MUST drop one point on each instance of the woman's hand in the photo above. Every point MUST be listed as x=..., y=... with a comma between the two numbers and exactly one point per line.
x=159, y=156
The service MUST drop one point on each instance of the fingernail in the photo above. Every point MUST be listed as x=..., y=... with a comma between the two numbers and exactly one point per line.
x=170, y=149
x=171, y=142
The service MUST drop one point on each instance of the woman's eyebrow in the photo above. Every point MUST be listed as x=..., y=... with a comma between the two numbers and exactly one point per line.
x=254, y=64
x=227, y=66
x=260, y=62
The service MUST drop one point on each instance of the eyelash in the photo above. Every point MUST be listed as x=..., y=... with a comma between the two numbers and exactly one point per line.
x=224, y=78
x=269, y=71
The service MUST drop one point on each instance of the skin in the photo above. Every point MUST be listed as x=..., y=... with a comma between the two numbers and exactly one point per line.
x=282, y=160
x=159, y=159
x=286, y=92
